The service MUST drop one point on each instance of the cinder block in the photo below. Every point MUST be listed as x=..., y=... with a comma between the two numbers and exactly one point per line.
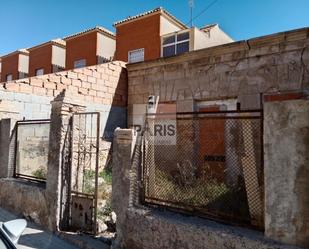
x=91, y=79
x=83, y=91
x=73, y=88
x=49, y=85
x=25, y=80
x=76, y=83
x=25, y=88
x=111, y=90
x=72, y=75
x=36, y=82
x=39, y=90
x=14, y=87
x=89, y=98
x=101, y=69
x=104, y=76
x=86, y=85
x=5, y=95
x=97, y=99
x=101, y=94
x=87, y=72
x=96, y=74
x=61, y=87
x=54, y=78
x=82, y=76
x=66, y=81
x=92, y=92
x=50, y=92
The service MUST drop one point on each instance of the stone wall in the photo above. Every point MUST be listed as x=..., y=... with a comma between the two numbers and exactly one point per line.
x=25, y=199
x=243, y=70
x=286, y=138
x=147, y=228
x=144, y=228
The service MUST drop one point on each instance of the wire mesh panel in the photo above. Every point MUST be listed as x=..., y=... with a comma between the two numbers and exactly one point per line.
x=31, y=149
x=212, y=165
x=84, y=171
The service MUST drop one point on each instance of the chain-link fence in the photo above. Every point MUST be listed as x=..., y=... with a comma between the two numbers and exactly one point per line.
x=209, y=164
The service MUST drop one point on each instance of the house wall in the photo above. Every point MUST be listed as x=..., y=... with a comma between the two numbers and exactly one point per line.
x=243, y=70
x=81, y=47
x=40, y=57
x=106, y=46
x=214, y=37
x=166, y=26
x=23, y=64
x=58, y=56
x=140, y=33
x=10, y=66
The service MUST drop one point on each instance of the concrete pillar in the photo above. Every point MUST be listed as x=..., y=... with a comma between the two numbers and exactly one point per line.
x=62, y=110
x=286, y=170
x=5, y=132
x=123, y=151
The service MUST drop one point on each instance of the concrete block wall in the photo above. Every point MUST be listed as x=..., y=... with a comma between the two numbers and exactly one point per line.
x=102, y=88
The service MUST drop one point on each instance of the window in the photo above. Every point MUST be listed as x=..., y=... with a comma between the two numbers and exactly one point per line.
x=9, y=77
x=39, y=71
x=136, y=55
x=80, y=63
x=176, y=44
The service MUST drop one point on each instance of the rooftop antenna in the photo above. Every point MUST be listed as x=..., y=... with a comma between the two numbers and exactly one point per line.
x=191, y=5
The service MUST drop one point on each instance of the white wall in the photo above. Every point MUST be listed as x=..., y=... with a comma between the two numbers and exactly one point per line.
x=167, y=26
x=23, y=63
x=214, y=37
x=106, y=46
x=58, y=56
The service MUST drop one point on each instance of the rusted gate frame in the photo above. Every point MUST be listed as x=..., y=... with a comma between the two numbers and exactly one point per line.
x=17, y=124
x=192, y=210
x=70, y=191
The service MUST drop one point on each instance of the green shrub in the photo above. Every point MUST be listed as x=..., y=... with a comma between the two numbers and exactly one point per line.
x=40, y=173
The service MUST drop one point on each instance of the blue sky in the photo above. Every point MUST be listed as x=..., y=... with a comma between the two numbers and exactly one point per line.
x=25, y=23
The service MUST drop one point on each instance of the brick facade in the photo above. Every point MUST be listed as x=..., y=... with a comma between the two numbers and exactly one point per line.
x=10, y=66
x=81, y=47
x=142, y=33
x=40, y=57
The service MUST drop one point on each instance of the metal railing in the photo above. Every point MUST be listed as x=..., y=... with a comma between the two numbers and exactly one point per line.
x=31, y=147
x=208, y=164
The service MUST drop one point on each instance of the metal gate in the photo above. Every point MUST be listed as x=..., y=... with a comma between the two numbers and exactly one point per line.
x=80, y=173
x=206, y=163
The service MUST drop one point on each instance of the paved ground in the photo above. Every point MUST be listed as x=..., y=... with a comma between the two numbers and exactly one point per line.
x=36, y=238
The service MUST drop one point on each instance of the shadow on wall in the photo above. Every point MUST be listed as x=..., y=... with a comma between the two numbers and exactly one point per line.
x=117, y=116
